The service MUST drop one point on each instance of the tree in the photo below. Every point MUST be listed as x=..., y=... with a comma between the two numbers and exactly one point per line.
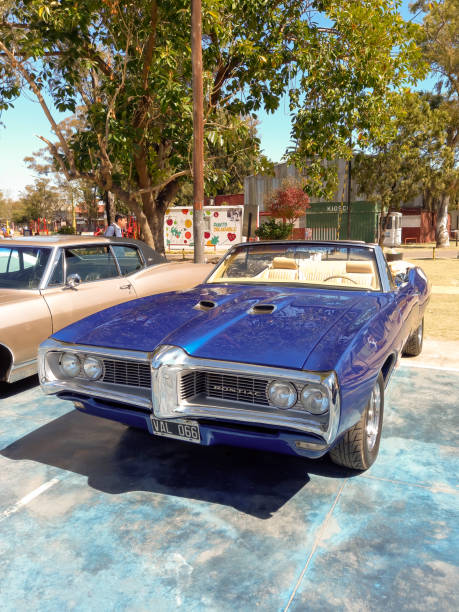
x=6, y=207
x=439, y=43
x=392, y=172
x=289, y=202
x=38, y=201
x=80, y=192
x=129, y=67
x=229, y=161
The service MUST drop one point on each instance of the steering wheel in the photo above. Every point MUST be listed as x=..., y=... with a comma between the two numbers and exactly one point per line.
x=341, y=276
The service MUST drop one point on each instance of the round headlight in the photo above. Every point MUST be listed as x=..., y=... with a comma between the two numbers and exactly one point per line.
x=314, y=400
x=93, y=368
x=281, y=394
x=70, y=364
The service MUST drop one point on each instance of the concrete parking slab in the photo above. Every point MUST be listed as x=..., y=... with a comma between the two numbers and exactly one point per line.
x=96, y=516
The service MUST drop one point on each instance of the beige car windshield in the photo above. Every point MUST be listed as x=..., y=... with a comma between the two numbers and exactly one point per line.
x=22, y=267
x=326, y=265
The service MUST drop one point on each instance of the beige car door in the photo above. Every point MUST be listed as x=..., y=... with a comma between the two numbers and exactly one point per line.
x=159, y=278
x=25, y=322
x=169, y=277
x=85, y=280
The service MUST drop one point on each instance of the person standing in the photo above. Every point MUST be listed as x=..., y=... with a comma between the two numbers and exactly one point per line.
x=116, y=229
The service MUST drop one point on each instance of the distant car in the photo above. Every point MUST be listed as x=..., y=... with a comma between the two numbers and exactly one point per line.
x=287, y=346
x=48, y=282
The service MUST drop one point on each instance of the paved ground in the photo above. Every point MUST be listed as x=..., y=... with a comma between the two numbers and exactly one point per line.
x=95, y=516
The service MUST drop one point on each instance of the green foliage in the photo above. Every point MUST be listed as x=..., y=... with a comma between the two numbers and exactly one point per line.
x=439, y=42
x=6, y=207
x=393, y=172
x=416, y=159
x=38, y=201
x=273, y=230
x=347, y=79
x=440, y=46
x=126, y=69
x=66, y=229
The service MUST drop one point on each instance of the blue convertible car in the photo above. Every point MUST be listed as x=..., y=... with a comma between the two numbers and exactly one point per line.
x=287, y=346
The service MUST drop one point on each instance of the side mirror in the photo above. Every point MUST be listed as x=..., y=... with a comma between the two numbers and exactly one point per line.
x=73, y=280
x=400, y=279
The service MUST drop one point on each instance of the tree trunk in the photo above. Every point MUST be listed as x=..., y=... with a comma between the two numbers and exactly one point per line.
x=157, y=229
x=145, y=231
x=109, y=207
x=156, y=218
x=383, y=220
x=441, y=228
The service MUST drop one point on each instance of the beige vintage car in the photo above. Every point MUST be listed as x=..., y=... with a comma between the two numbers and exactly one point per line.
x=47, y=283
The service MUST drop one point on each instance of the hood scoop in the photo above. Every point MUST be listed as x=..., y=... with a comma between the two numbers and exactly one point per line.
x=262, y=309
x=205, y=305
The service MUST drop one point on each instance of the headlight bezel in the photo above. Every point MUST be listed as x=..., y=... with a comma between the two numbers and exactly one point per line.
x=90, y=358
x=82, y=360
x=71, y=355
x=327, y=386
x=307, y=399
x=290, y=386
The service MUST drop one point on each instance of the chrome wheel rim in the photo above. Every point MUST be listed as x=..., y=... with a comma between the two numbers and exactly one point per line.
x=420, y=334
x=373, y=416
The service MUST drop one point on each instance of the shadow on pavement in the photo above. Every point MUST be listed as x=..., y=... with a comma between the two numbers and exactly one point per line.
x=10, y=389
x=116, y=459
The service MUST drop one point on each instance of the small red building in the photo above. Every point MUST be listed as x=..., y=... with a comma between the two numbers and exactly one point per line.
x=231, y=199
x=419, y=225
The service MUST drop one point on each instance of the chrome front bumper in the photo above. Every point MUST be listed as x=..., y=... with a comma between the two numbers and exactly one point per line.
x=169, y=364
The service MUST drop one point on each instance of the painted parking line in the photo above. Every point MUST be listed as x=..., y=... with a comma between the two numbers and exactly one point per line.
x=427, y=366
x=317, y=540
x=28, y=498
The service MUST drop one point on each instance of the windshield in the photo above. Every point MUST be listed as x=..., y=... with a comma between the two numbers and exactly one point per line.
x=22, y=267
x=347, y=267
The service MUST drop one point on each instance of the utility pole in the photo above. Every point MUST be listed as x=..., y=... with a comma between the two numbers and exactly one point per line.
x=198, y=132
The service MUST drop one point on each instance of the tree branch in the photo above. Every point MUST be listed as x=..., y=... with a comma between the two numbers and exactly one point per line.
x=161, y=186
x=223, y=74
x=28, y=77
x=151, y=43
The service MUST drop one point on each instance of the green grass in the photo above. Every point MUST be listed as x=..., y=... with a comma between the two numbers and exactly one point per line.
x=442, y=315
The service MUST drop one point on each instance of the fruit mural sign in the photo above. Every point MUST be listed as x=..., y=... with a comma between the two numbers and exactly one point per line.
x=222, y=227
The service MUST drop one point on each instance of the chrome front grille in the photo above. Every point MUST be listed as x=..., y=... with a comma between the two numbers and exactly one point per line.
x=129, y=373
x=223, y=386
x=192, y=384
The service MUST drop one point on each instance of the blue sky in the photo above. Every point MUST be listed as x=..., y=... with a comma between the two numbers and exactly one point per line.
x=22, y=124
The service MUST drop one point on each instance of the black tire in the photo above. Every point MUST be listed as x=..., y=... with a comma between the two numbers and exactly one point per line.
x=413, y=346
x=359, y=446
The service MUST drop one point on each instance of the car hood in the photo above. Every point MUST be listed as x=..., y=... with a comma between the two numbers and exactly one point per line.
x=228, y=331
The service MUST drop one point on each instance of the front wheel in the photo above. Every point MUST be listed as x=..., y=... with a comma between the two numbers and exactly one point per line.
x=413, y=346
x=359, y=446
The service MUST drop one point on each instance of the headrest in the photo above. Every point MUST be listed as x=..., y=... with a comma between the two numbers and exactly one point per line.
x=284, y=263
x=362, y=267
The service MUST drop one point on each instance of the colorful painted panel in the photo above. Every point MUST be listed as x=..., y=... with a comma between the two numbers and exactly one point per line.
x=222, y=227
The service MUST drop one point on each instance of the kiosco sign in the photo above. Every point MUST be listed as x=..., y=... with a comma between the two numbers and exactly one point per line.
x=222, y=227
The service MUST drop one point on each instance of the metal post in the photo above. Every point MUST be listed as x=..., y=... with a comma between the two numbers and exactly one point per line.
x=249, y=229
x=349, y=199
x=198, y=132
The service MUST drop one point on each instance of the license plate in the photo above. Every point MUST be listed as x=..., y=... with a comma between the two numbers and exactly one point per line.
x=180, y=430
